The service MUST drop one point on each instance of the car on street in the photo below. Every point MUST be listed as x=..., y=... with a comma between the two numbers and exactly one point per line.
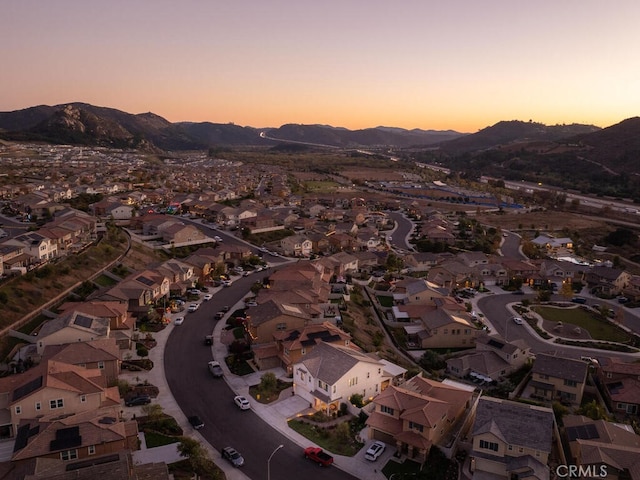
x=138, y=400
x=374, y=451
x=318, y=455
x=226, y=308
x=226, y=283
x=218, y=316
x=580, y=300
x=215, y=369
x=193, y=307
x=251, y=303
x=518, y=320
x=233, y=456
x=208, y=340
x=196, y=422
x=242, y=402
x=178, y=321
x=217, y=238
x=207, y=297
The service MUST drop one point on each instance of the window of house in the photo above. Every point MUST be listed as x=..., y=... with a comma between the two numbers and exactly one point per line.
x=368, y=374
x=510, y=447
x=83, y=398
x=379, y=371
x=385, y=409
x=38, y=406
x=353, y=381
x=18, y=409
x=101, y=365
x=58, y=403
x=489, y=445
x=334, y=389
x=570, y=383
x=83, y=365
x=323, y=386
x=520, y=449
x=281, y=326
x=91, y=449
x=416, y=426
x=609, y=375
x=303, y=351
x=69, y=454
x=544, y=377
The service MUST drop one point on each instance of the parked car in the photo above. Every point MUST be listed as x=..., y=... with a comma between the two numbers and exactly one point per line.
x=217, y=238
x=318, y=455
x=218, y=316
x=193, y=307
x=226, y=283
x=178, y=321
x=242, y=402
x=208, y=340
x=215, y=369
x=196, y=422
x=251, y=303
x=580, y=300
x=233, y=456
x=194, y=291
x=374, y=451
x=226, y=308
x=518, y=320
x=138, y=400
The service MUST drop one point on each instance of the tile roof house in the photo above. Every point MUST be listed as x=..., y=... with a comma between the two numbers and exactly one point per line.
x=121, y=324
x=607, y=280
x=493, y=358
x=605, y=449
x=52, y=388
x=558, y=378
x=416, y=415
x=437, y=327
x=81, y=436
x=329, y=374
x=272, y=317
x=511, y=439
x=621, y=384
x=102, y=356
x=72, y=327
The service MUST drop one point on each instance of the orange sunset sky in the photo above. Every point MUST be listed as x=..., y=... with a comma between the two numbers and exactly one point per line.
x=460, y=65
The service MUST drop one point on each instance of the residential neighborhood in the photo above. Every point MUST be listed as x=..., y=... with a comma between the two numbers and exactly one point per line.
x=448, y=350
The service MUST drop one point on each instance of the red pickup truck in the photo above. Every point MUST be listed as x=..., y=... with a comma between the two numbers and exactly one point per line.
x=318, y=455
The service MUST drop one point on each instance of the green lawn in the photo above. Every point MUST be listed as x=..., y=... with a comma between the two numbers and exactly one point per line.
x=326, y=438
x=385, y=300
x=154, y=439
x=598, y=329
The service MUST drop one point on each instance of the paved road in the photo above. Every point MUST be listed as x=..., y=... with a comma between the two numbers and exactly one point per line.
x=196, y=392
x=495, y=308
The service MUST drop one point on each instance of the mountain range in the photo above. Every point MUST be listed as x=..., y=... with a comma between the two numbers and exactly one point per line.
x=616, y=148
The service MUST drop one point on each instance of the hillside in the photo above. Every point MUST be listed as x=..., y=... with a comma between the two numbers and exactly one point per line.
x=81, y=123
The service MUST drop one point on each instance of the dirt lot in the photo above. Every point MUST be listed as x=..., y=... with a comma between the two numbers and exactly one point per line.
x=543, y=221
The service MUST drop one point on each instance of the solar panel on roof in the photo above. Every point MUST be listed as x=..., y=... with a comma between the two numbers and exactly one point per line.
x=495, y=343
x=27, y=388
x=583, y=432
x=83, y=321
x=145, y=280
x=66, y=438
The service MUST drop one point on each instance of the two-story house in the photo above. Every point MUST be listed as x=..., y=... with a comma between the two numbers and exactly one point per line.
x=607, y=280
x=492, y=360
x=272, y=317
x=416, y=415
x=558, y=378
x=511, y=440
x=621, y=384
x=72, y=327
x=296, y=246
x=329, y=375
x=52, y=388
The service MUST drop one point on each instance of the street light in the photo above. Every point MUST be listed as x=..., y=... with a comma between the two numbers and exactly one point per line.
x=269, y=461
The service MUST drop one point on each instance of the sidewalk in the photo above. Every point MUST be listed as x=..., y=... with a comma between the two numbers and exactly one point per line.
x=276, y=413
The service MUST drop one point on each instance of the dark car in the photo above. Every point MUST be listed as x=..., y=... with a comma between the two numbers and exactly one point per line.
x=208, y=340
x=137, y=400
x=580, y=300
x=231, y=454
x=196, y=422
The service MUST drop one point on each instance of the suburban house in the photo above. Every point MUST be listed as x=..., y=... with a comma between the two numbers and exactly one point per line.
x=416, y=415
x=72, y=327
x=603, y=448
x=558, y=378
x=607, y=280
x=296, y=246
x=511, y=440
x=272, y=317
x=52, y=388
x=492, y=360
x=329, y=375
x=552, y=245
x=620, y=382
x=437, y=327
x=420, y=262
x=82, y=436
x=557, y=271
x=454, y=274
x=416, y=292
x=292, y=345
x=102, y=356
x=138, y=291
x=40, y=248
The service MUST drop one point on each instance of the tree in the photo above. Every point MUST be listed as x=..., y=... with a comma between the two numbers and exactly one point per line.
x=268, y=382
x=430, y=360
x=153, y=411
x=195, y=452
x=593, y=410
x=356, y=400
x=566, y=290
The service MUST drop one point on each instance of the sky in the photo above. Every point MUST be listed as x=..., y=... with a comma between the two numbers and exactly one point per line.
x=454, y=64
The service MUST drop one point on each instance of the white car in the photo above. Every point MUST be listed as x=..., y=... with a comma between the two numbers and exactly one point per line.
x=217, y=238
x=518, y=320
x=242, y=402
x=193, y=307
x=207, y=297
x=178, y=321
x=375, y=450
